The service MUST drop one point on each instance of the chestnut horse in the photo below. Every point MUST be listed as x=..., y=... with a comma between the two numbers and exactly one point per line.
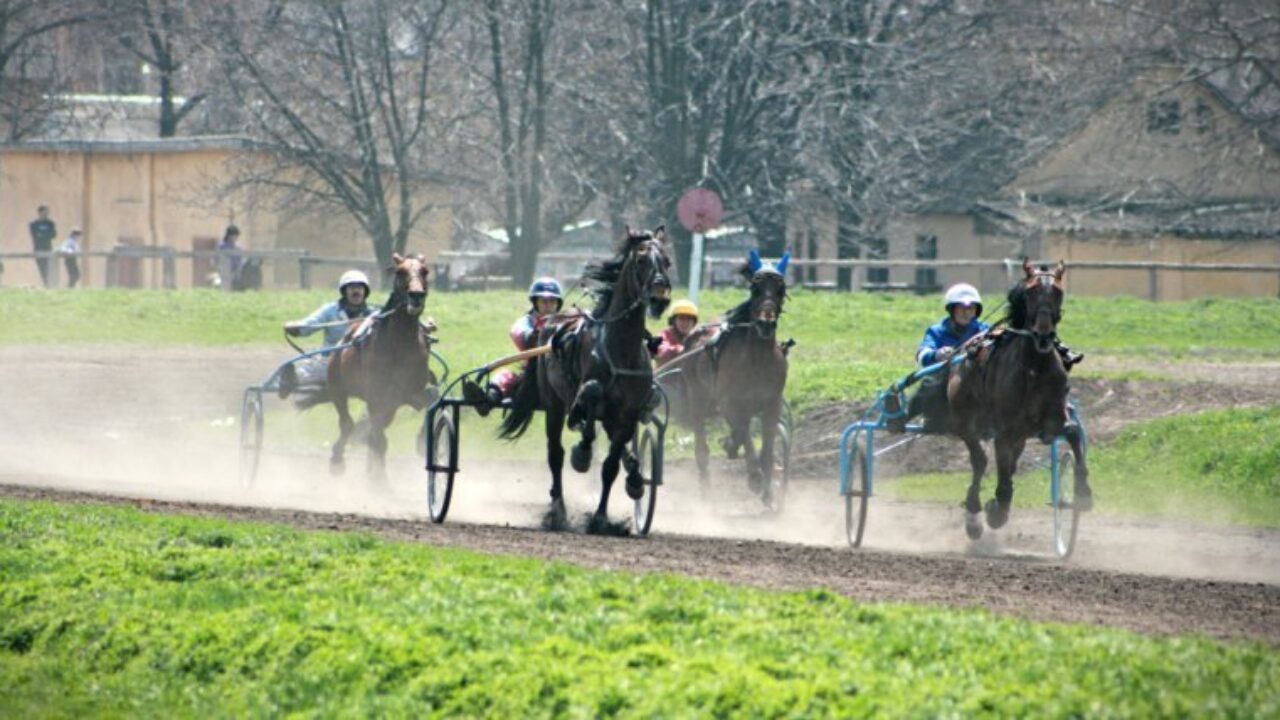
x=1013, y=390
x=386, y=366
x=598, y=369
x=739, y=370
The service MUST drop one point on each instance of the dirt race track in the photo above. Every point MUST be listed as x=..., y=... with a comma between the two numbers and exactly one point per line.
x=113, y=424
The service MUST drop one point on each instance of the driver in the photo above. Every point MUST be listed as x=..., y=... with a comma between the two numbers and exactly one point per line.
x=335, y=319
x=670, y=342
x=546, y=297
x=964, y=308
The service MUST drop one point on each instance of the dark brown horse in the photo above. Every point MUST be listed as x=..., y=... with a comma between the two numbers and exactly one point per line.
x=1013, y=390
x=386, y=366
x=599, y=370
x=738, y=370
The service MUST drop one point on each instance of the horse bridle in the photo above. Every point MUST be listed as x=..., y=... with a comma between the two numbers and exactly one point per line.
x=642, y=296
x=1047, y=281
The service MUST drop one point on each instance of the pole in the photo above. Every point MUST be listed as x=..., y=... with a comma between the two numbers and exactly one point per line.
x=695, y=268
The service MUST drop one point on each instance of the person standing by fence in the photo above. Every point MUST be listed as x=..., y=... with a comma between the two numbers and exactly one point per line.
x=231, y=251
x=43, y=231
x=70, y=251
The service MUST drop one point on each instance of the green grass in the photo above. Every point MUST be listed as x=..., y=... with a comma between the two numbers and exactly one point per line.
x=850, y=345
x=109, y=611
x=1221, y=466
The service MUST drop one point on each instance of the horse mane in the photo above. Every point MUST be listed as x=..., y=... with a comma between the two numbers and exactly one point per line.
x=1017, y=301
x=602, y=275
x=740, y=314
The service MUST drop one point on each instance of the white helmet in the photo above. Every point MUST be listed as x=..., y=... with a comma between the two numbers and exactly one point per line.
x=963, y=294
x=352, y=277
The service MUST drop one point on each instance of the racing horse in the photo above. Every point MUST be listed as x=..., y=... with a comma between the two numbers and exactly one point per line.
x=739, y=370
x=385, y=365
x=1013, y=389
x=598, y=370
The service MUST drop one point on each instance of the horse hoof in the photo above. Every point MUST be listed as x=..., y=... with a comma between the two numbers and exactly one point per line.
x=635, y=486
x=556, y=519
x=580, y=458
x=755, y=481
x=997, y=514
x=337, y=467
x=973, y=525
x=600, y=525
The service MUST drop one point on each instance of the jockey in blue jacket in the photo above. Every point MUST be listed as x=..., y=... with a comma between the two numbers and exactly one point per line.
x=335, y=319
x=964, y=307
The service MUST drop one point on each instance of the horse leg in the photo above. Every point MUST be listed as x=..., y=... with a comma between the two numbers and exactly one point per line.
x=1083, y=492
x=599, y=524
x=376, y=462
x=556, y=518
x=337, y=465
x=973, y=500
x=741, y=434
x=702, y=453
x=584, y=411
x=1007, y=454
x=768, y=433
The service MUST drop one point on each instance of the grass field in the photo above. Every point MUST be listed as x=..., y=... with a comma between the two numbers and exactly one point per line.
x=107, y=611
x=850, y=344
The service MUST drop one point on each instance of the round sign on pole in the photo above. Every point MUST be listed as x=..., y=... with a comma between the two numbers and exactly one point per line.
x=699, y=210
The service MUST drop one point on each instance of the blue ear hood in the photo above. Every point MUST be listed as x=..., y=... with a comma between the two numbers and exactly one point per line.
x=753, y=261
x=782, y=264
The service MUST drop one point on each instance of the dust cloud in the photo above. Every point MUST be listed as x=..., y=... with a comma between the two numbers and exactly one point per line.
x=161, y=424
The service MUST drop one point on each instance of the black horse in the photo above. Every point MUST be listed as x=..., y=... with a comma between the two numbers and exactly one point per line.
x=598, y=369
x=738, y=369
x=1015, y=389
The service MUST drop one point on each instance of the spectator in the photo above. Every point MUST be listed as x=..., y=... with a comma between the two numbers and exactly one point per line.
x=70, y=251
x=229, y=247
x=43, y=231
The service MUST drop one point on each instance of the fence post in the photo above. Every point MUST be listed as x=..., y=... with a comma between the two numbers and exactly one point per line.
x=169, y=270
x=1153, y=284
x=55, y=269
x=304, y=272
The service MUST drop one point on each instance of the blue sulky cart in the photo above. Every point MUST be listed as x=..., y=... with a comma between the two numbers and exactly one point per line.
x=443, y=422
x=858, y=453
x=251, y=406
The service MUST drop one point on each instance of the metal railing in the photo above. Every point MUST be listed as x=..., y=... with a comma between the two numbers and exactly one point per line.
x=307, y=263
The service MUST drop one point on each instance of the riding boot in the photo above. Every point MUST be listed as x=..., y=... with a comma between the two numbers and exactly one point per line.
x=1069, y=358
x=288, y=380
x=477, y=398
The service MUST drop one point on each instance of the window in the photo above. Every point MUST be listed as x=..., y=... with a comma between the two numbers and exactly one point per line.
x=926, y=249
x=877, y=249
x=1164, y=117
x=1203, y=117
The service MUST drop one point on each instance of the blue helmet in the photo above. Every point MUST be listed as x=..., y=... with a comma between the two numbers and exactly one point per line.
x=546, y=287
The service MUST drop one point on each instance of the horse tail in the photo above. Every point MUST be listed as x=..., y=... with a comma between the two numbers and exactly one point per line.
x=525, y=401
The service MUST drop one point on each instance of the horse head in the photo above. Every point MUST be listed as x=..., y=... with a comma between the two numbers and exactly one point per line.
x=768, y=292
x=1041, y=302
x=645, y=268
x=410, y=283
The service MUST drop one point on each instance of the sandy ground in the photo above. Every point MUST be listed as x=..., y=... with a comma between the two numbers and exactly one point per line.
x=114, y=424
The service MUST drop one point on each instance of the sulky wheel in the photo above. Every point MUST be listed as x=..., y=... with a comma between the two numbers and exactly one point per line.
x=250, y=436
x=442, y=465
x=781, y=477
x=855, y=503
x=1062, y=488
x=648, y=450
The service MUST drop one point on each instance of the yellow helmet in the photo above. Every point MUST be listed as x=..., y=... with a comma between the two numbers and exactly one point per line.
x=684, y=307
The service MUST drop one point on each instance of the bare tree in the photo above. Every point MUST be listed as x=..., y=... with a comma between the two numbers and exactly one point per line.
x=343, y=99
x=29, y=73
x=161, y=33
